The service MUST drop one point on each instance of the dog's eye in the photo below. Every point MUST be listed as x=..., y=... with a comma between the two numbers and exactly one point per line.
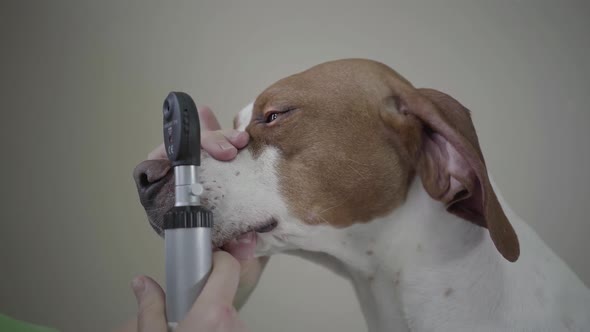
x=272, y=116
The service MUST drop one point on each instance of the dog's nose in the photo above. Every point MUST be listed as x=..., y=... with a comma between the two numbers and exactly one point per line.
x=149, y=174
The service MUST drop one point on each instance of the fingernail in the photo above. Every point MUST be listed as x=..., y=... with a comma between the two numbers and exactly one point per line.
x=138, y=286
x=235, y=134
x=226, y=146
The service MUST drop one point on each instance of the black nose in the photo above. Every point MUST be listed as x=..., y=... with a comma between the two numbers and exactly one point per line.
x=149, y=175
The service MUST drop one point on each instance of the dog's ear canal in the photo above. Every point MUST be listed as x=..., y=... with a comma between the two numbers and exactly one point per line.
x=452, y=168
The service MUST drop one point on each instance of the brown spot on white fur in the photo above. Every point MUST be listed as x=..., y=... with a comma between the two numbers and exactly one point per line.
x=332, y=181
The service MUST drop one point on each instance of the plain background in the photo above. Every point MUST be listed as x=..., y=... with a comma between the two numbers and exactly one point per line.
x=82, y=85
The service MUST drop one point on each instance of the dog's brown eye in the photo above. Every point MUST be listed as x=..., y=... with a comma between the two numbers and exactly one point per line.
x=271, y=117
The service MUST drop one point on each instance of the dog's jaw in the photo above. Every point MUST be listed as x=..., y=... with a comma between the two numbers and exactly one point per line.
x=244, y=195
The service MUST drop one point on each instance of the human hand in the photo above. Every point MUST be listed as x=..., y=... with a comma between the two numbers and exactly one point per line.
x=221, y=144
x=224, y=144
x=212, y=311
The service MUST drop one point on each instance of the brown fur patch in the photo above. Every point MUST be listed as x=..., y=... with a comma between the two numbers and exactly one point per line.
x=341, y=164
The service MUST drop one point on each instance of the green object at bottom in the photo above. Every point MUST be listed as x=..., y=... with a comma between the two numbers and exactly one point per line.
x=8, y=324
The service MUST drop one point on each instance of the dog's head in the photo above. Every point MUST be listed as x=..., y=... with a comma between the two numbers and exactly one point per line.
x=339, y=144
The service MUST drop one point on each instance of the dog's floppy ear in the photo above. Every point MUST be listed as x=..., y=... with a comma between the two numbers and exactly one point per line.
x=451, y=165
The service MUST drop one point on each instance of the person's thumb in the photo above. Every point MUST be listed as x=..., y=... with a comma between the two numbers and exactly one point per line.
x=151, y=303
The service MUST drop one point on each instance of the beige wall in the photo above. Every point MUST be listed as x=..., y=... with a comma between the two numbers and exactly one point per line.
x=82, y=84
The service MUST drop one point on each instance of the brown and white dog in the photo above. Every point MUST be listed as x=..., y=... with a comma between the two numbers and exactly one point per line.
x=351, y=166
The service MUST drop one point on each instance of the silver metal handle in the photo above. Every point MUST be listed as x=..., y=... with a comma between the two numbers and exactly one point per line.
x=188, y=265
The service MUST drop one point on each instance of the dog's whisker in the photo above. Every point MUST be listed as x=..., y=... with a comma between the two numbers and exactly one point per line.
x=358, y=162
x=357, y=172
x=337, y=205
x=323, y=220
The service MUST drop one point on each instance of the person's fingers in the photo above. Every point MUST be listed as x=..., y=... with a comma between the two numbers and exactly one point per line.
x=223, y=281
x=214, y=317
x=151, y=302
x=239, y=139
x=158, y=153
x=213, y=310
x=208, y=122
x=224, y=144
x=218, y=146
x=250, y=271
x=207, y=119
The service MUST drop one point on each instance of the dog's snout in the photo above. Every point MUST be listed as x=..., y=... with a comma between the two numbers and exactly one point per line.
x=150, y=173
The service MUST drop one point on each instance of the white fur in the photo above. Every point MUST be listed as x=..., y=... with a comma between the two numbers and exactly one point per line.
x=244, y=117
x=417, y=269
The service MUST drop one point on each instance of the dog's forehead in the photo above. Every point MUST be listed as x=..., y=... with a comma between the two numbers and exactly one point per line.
x=339, y=81
x=341, y=84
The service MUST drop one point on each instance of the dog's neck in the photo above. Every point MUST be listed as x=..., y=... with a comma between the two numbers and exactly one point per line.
x=397, y=262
